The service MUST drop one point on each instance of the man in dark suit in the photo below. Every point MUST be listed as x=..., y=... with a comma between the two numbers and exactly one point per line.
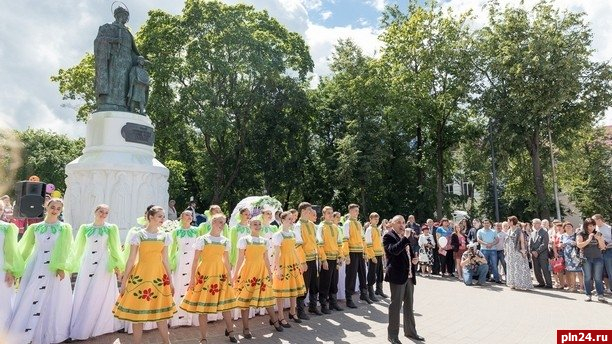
x=538, y=246
x=401, y=275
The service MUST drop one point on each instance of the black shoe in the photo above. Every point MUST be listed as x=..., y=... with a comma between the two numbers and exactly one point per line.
x=499, y=282
x=325, y=309
x=314, y=310
x=394, y=340
x=540, y=285
x=548, y=287
x=285, y=324
x=246, y=333
x=296, y=318
x=277, y=325
x=350, y=303
x=372, y=295
x=415, y=337
x=380, y=293
x=335, y=307
x=364, y=297
x=232, y=338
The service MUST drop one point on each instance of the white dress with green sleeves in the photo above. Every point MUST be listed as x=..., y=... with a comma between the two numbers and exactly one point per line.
x=181, y=260
x=9, y=262
x=95, y=256
x=43, y=303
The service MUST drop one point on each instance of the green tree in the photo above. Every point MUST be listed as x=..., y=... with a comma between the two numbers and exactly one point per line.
x=586, y=172
x=428, y=55
x=224, y=65
x=77, y=84
x=46, y=154
x=536, y=75
x=219, y=72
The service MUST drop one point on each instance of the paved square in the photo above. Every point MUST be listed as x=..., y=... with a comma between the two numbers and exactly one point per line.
x=446, y=312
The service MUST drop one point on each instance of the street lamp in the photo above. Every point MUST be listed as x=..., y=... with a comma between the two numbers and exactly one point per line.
x=494, y=170
x=554, y=171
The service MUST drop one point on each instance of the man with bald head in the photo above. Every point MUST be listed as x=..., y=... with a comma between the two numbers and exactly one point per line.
x=401, y=275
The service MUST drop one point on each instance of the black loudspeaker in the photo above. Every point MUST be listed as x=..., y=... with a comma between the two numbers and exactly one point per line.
x=29, y=199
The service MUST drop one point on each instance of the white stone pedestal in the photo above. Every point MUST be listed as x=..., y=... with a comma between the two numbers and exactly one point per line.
x=118, y=167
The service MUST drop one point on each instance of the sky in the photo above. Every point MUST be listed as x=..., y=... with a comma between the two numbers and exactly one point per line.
x=38, y=37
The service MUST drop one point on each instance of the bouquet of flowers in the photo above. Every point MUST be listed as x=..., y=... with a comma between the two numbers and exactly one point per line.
x=170, y=225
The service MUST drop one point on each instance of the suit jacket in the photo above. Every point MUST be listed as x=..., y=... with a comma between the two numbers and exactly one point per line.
x=538, y=241
x=398, y=261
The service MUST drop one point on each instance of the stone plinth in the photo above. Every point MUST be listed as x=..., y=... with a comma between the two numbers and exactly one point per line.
x=118, y=167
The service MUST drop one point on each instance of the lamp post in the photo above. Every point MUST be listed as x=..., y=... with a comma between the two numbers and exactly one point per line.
x=554, y=171
x=494, y=170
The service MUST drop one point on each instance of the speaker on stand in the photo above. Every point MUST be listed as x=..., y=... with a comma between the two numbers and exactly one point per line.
x=29, y=199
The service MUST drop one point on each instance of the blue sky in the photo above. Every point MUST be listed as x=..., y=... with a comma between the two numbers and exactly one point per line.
x=38, y=37
x=347, y=12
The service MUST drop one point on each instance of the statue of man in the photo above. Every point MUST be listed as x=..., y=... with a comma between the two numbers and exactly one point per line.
x=115, y=53
x=138, y=93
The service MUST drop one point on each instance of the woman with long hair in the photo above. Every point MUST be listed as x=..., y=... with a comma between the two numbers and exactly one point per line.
x=518, y=275
x=459, y=243
x=591, y=243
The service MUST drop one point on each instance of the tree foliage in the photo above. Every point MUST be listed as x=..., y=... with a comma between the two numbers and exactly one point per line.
x=46, y=154
x=428, y=56
x=537, y=76
x=234, y=115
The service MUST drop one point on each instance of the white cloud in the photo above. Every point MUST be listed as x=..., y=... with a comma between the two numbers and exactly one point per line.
x=326, y=15
x=379, y=5
x=597, y=14
x=39, y=37
x=363, y=22
x=322, y=40
x=313, y=4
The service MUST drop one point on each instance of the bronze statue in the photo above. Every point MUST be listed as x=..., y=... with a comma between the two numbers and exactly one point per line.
x=115, y=54
x=138, y=94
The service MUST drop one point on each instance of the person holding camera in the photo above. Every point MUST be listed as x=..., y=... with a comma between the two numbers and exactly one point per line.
x=474, y=265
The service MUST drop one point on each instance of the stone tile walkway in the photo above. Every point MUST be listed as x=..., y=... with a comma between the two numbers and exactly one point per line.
x=446, y=312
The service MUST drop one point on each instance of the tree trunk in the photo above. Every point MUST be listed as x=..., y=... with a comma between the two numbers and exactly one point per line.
x=533, y=145
x=363, y=200
x=439, y=179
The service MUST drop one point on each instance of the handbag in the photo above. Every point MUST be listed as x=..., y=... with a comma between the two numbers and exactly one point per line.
x=442, y=252
x=557, y=264
x=423, y=257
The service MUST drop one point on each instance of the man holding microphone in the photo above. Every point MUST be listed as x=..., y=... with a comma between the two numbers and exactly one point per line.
x=401, y=275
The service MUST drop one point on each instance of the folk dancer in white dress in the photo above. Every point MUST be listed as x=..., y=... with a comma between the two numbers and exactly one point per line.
x=96, y=256
x=41, y=313
x=181, y=257
x=12, y=265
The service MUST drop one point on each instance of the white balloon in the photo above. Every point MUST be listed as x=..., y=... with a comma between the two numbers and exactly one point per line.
x=442, y=242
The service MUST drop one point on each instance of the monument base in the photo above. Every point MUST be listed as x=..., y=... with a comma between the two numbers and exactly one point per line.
x=118, y=168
